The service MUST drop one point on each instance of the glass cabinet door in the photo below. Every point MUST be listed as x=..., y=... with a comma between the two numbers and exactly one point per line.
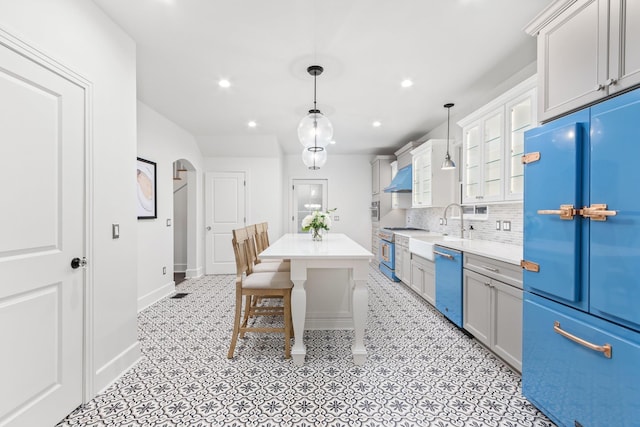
x=472, y=156
x=492, y=147
x=520, y=117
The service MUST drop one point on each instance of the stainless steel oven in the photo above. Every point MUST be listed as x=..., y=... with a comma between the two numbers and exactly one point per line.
x=375, y=211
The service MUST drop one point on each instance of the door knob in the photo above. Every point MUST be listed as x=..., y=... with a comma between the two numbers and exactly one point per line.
x=209, y=228
x=77, y=262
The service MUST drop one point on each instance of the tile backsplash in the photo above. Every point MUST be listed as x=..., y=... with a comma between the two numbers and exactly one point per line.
x=428, y=218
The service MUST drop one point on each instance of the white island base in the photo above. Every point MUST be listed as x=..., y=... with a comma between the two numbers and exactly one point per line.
x=330, y=287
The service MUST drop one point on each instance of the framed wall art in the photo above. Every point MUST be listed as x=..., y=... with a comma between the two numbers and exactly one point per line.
x=146, y=189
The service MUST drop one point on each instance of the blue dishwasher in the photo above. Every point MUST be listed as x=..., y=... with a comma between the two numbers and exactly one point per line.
x=449, y=283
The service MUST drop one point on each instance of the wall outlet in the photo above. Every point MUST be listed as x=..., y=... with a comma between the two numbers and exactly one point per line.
x=168, y=222
x=336, y=218
x=506, y=225
x=498, y=225
x=164, y=270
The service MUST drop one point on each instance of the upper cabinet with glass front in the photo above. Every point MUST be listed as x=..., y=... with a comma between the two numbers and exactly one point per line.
x=492, y=145
x=432, y=186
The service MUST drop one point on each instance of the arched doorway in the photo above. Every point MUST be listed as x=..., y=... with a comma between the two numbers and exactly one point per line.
x=184, y=220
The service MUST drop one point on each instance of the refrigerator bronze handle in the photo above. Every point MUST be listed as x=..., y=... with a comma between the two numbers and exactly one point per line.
x=606, y=349
x=565, y=212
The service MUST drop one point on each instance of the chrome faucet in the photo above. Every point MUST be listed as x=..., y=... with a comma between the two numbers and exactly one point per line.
x=461, y=217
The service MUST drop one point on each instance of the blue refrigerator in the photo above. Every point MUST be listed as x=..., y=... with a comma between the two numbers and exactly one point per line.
x=581, y=321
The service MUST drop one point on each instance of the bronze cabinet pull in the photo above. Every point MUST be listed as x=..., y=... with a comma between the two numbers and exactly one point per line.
x=606, y=349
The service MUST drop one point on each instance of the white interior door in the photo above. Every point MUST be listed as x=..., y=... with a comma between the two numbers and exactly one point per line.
x=307, y=195
x=42, y=147
x=225, y=211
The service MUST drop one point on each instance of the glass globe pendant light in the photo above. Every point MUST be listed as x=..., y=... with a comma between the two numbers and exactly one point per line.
x=315, y=130
x=314, y=160
x=448, y=164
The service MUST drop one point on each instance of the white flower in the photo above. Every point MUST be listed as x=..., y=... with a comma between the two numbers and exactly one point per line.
x=306, y=222
x=317, y=220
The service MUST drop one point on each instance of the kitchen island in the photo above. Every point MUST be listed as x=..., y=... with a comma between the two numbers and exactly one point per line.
x=334, y=271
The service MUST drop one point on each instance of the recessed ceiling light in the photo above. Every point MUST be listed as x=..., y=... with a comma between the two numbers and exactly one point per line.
x=333, y=141
x=252, y=124
x=406, y=83
x=224, y=83
x=376, y=124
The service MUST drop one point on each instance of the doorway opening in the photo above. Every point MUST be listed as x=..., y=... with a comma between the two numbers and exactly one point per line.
x=183, y=219
x=308, y=195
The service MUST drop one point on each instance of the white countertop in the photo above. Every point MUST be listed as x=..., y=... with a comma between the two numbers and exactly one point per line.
x=500, y=251
x=412, y=233
x=300, y=246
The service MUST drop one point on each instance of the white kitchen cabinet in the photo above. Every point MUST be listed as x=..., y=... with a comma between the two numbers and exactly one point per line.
x=587, y=50
x=423, y=278
x=398, y=255
x=492, y=306
x=380, y=173
x=375, y=242
x=403, y=259
x=432, y=186
x=492, y=146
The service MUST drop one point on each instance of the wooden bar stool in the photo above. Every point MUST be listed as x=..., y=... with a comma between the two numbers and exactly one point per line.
x=255, y=264
x=252, y=285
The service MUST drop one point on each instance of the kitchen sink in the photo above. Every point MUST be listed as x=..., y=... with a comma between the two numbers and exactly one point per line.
x=423, y=245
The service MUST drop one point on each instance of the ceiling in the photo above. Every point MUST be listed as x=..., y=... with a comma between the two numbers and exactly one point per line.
x=452, y=50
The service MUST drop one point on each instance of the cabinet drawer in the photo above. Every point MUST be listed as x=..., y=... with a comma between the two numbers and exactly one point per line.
x=570, y=382
x=402, y=240
x=503, y=271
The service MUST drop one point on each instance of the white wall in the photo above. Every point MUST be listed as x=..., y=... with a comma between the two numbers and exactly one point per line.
x=264, y=187
x=78, y=35
x=349, y=191
x=163, y=142
x=180, y=222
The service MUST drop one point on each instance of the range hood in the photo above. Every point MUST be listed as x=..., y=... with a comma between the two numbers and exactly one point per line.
x=402, y=182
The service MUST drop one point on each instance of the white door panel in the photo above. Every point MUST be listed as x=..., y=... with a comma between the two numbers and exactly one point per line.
x=225, y=211
x=42, y=228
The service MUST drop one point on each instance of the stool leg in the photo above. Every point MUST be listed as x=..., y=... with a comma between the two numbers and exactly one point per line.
x=236, y=324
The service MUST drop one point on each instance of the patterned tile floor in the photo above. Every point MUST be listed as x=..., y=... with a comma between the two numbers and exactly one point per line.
x=421, y=371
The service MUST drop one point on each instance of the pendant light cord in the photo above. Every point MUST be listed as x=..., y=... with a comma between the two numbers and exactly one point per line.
x=448, y=113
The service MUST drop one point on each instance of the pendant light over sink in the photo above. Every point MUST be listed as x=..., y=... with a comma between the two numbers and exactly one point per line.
x=315, y=130
x=448, y=164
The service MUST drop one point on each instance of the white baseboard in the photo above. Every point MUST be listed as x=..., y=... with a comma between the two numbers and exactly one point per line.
x=116, y=367
x=179, y=268
x=155, y=296
x=192, y=273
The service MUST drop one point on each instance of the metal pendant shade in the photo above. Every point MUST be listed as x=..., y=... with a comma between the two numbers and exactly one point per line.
x=448, y=164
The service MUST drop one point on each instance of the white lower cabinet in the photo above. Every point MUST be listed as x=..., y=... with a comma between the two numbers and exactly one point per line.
x=493, y=308
x=403, y=259
x=423, y=278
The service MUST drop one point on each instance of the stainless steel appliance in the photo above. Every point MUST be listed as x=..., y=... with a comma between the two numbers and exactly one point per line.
x=387, y=251
x=375, y=211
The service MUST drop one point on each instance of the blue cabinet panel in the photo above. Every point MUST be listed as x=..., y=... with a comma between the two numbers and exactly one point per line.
x=615, y=178
x=570, y=382
x=449, y=284
x=555, y=180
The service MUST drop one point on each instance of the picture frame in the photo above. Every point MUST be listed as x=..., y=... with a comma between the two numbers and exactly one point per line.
x=146, y=193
